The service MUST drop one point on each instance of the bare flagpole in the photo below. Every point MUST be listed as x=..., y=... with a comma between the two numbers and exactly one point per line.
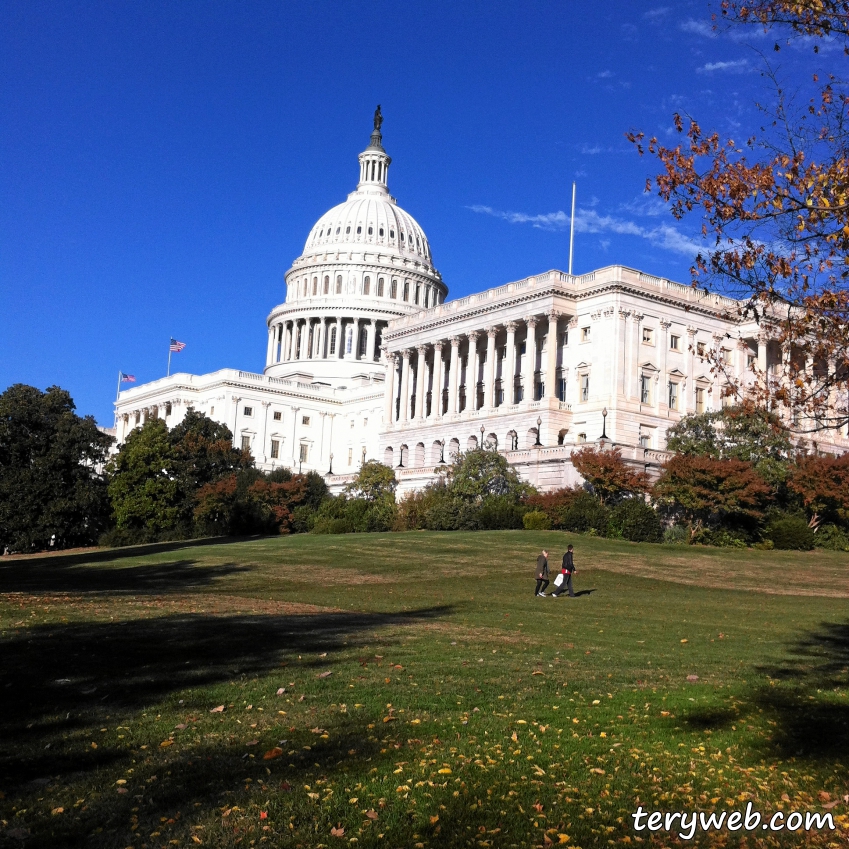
x=118, y=390
x=572, y=230
x=169, y=357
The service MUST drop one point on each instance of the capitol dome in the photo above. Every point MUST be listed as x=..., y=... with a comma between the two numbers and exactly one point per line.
x=365, y=262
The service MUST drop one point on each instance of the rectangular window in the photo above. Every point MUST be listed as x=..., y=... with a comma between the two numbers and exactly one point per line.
x=700, y=399
x=275, y=449
x=701, y=348
x=168, y=409
x=585, y=334
x=582, y=438
x=305, y=452
x=645, y=440
x=246, y=443
x=645, y=389
x=565, y=339
x=278, y=416
x=585, y=387
x=305, y=420
x=648, y=336
x=350, y=456
x=675, y=343
x=727, y=356
x=249, y=411
x=365, y=422
x=332, y=341
x=561, y=389
x=211, y=412
x=349, y=340
x=673, y=395
x=363, y=343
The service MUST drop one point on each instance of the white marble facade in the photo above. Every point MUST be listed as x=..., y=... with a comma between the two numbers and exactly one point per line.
x=366, y=358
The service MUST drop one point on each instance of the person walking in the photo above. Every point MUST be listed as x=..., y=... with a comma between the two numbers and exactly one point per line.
x=567, y=569
x=542, y=573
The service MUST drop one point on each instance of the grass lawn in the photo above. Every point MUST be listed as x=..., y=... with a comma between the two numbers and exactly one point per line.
x=408, y=690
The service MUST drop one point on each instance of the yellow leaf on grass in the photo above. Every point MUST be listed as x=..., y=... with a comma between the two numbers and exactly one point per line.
x=271, y=754
x=444, y=771
x=165, y=744
x=57, y=811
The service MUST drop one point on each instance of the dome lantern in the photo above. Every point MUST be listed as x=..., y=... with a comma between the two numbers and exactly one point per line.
x=374, y=161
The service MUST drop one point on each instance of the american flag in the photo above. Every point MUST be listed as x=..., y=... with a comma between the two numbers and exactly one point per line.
x=176, y=346
x=128, y=378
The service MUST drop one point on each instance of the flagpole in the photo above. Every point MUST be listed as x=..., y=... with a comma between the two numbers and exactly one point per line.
x=118, y=389
x=169, y=360
x=572, y=230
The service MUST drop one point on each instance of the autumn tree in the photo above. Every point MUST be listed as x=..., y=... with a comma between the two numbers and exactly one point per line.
x=374, y=481
x=608, y=474
x=481, y=472
x=822, y=482
x=708, y=490
x=775, y=209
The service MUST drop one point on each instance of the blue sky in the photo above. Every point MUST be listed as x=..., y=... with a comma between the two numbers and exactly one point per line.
x=162, y=163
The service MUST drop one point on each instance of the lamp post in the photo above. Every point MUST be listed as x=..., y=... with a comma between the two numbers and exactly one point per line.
x=364, y=456
x=330, y=470
x=442, y=453
x=538, y=443
x=604, y=423
x=482, y=430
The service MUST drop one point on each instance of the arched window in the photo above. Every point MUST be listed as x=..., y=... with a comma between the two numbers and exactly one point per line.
x=391, y=234
x=315, y=285
x=379, y=287
x=338, y=284
x=332, y=341
x=370, y=231
x=406, y=290
x=326, y=284
x=402, y=237
x=366, y=284
x=359, y=230
x=393, y=289
x=337, y=231
x=380, y=232
x=418, y=292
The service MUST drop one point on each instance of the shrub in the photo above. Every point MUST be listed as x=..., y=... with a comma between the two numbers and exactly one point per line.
x=303, y=519
x=677, y=535
x=536, y=520
x=500, y=513
x=832, y=538
x=332, y=526
x=637, y=521
x=791, y=533
x=720, y=537
x=585, y=514
x=554, y=504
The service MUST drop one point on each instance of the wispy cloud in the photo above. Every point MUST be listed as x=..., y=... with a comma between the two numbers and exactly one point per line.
x=735, y=66
x=663, y=236
x=604, y=75
x=698, y=27
x=657, y=12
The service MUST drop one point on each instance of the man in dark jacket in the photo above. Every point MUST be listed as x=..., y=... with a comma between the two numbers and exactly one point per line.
x=567, y=569
x=542, y=573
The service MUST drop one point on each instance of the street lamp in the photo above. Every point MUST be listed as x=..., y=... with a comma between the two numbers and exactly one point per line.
x=330, y=470
x=442, y=453
x=604, y=423
x=364, y=456
x=482, y=430
x=538, y=443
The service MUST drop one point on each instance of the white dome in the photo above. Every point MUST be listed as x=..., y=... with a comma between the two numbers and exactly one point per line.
x=369, y=218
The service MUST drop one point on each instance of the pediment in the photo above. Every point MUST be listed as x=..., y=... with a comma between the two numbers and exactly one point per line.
x=647, y=366
x=582, y=365
x=677, y=373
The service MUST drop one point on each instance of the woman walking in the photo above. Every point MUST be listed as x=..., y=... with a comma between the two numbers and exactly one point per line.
x=542, y=574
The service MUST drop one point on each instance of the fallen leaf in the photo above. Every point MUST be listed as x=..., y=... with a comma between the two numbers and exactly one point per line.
x=181, y=727
x=281, y=691
x=537, y=806
x=338, y=832
x=165, y=744
x=685, y=641
x=434, y=819
x=57, y=811
x=326, y=675
x=263, y=815
x=252, y=743
x=824, y=796
x=271, y=754
x=219, y=709
x=372, y=815
x=597, y=771
x=445, y=771
x=514, y=737
x=692, y=677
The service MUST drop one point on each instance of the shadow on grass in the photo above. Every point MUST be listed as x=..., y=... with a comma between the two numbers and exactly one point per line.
x=56, y=678
x=57, y=575
x=805, y=700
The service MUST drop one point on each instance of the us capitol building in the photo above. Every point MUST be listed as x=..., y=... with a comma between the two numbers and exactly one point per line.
x=366, y=359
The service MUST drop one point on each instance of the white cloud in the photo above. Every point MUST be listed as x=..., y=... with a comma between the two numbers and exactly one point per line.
x=663, y=236
x=735, y=66
x=702, y=28
x=604, y=75
x=658, y=12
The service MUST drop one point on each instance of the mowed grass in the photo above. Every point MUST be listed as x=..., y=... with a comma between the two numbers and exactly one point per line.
x=408, y=690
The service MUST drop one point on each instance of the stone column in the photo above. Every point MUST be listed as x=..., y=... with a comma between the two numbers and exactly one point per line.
x=370, y=329
x=508, y=380
x=319, y=341
x=436, y=390
x=762, y=352
x=453, y=381
x=272, y=337
x=297, y=331
x=689, y=405
x=636, y=338
x=663, y=343
x=405, y=386
x=530, y=359
x=420, y=381
x=472, y=371
x=390, y=389
x=489, y=370
x=551, y=359
x=287, y=341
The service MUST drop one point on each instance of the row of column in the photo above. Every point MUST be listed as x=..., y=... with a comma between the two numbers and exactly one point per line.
x=323, y=338
x=433, y=371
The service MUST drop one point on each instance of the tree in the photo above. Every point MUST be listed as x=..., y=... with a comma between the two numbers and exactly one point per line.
x=777, y=207
x=707, y=489
x=608, y=474
x=482, y=472
x=822, y=482
x=51, y=487
x=374, y=482
x=742, y=433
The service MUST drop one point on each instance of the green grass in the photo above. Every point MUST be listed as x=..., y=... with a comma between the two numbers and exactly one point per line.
x=429, y=699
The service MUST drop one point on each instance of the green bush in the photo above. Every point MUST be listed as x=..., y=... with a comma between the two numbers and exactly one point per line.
x=586, y=514
x=790, y=533
x=332, y=526
x=832, y=538
x=303, y=519
x=720, y=537
x=677, y=535
x=636, y=521
x=536, y=520
x=500, y=513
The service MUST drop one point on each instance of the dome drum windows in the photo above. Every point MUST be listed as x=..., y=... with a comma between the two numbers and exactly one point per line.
x=393, y=290
x=359, y=230
x=326, y=284
x=406, y=290
x=338, y=284
x=379, y=287
x=315, y=285
x=370, y=231
x=380, y=232
x=366, y=285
